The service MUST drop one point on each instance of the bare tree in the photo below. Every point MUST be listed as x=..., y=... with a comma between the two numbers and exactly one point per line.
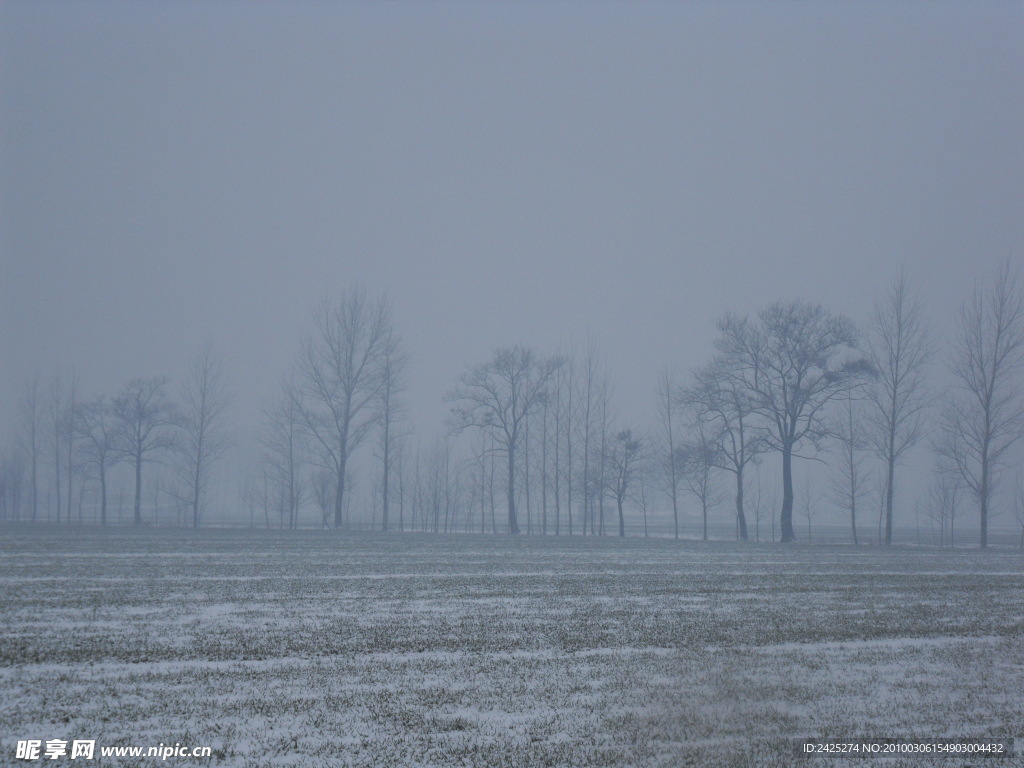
x=720, y=398
x=203, y=437
x=667, y=462
x=12, y=477
x=401, y=451
x=984, y=416
x=249, y=497
x=764, y=507
x=792, y=363
x=324, y=485
x=544, y=477
x=393, y=366
x=70, y=415
x=698, y=460
x=641, y=490
x=98, y=443
x=625, y=460
x=603, y=480
x=850, y=482
x=497, y=397
x=591, y=392
x=341, y=369
x=57, y=425
x=809, y=501
x=944, y=500
x=145, y=419
x=478, y=465
x=1018, y=507
x=284, y=450
x=568, y=407
x=32, y=423
x=899, y=352
x=439, y=482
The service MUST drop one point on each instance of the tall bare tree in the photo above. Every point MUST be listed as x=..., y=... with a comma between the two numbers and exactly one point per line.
x=944, y=499
x=55, y=412
x=568, y=406
x=394, y=363
x=793, y=361
x=810, y=498
x=70, y=415
x=984, y=416
x=98, y=443
x=850, y=481
x=602, y=477
x=203, y=436
x=32, y=423
x=641, y=490
x=284, y=451
x=765, y=507
x=1018, y=506
x=341, y=371
x=698, y=458
x=899, y=352
x=667, y=464
x=12, y=476
x=589, y=401
x=625, y=459
x=145, y=420
x=497, y=397
x=721, y=399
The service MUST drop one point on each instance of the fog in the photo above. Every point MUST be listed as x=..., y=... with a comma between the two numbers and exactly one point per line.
x=543, y=174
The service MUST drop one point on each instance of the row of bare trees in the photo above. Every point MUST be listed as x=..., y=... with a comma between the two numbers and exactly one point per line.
x=346, y=387
x=804, y=383
x=540, y=431
x=795, y=380
x=79, y=441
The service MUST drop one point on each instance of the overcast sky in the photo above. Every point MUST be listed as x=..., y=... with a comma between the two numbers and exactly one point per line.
x=527, y=173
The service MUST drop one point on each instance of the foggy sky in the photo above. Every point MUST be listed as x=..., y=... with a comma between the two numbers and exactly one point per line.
x=534, y=173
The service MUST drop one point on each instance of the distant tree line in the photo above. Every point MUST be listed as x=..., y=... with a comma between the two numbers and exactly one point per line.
x=78, y=441
x=534, y=443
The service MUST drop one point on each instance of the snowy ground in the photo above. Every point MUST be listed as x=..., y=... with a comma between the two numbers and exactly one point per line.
x=317, y=649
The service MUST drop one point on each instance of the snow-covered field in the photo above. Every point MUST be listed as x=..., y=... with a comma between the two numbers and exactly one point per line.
x=320, y=649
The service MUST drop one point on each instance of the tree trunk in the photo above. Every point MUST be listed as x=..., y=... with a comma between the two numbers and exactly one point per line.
x=103, y=495
x=891, y=470
x=558, y=487
x=786, y=518
x=622, y=519
x=513, y=526
x=544, y=474
x=339, y=493
x=138, y=485
x=384, y=488
x=675, y=509
x=853, y=521
x=71, y=450
x=984, y=498
x=197, y=477
x=739, y=505
x=526, y=476
x=56, y=457
x=568, y=483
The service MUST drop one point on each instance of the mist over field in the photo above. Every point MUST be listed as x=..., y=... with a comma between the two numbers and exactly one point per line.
x=510, y=383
